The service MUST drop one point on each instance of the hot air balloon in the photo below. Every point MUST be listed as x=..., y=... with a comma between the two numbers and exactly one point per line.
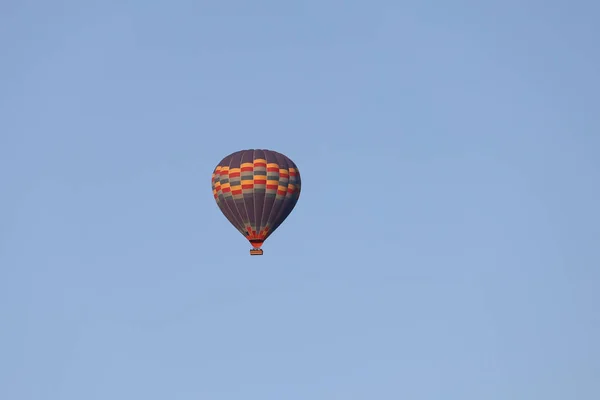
x=256, y=190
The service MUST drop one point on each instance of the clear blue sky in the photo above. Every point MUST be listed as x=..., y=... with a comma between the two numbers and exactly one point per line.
x=446, y=244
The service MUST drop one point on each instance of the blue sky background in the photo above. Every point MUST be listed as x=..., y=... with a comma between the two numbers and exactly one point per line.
x=446, y=244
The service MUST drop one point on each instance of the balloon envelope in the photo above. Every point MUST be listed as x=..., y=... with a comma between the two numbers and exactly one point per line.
x=256, y=190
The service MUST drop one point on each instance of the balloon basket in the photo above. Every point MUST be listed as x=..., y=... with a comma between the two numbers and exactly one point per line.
x=256, y=252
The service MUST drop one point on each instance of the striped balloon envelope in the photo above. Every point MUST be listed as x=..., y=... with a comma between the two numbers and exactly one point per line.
x=256, y=190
